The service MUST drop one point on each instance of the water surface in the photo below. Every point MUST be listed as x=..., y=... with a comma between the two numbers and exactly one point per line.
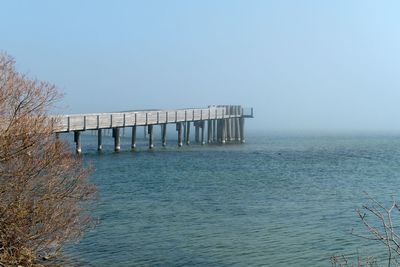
x=278, y=200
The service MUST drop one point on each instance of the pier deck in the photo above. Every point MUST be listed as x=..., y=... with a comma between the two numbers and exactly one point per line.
x=225, y=123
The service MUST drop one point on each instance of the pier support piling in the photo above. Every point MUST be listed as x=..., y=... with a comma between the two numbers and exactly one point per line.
x=237, y=129
x=188, y=133
x=117, y=139
x=196, y=132
x=133, y=141
x=223, y=132
x=231, y=129
x=209, y=131
x=184, y=132
x=202, y=126
x=242, y=139
x=164, y=134
x=219, y=131
x=228, y=129
x=214, y=131
x=151, y=137
x=99, y=140
x=77, y=140
x=179, y=127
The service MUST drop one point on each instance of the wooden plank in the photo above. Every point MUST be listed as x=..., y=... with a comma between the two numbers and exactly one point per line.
x=130, y=119
x=205, y=114
x=91, y=122
x=197, y=114
x=180, y=115
x=162, y=117
x=141, y=118
x=171, y=116
x=152, y=117
x=76, y=123
x=189, y=115
x=62, y=123
x=104, y=120
x=118, y=119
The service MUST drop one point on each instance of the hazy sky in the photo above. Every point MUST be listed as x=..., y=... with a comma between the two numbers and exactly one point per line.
x=308, y=65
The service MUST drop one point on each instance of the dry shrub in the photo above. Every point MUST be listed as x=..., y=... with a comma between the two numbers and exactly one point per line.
x=345, y=261
x=381, y=224
x=44, y=189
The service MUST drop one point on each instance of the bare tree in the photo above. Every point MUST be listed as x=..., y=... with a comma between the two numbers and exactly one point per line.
x=44, y=190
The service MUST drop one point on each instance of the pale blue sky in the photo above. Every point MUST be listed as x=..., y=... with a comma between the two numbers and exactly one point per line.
x=303, y=65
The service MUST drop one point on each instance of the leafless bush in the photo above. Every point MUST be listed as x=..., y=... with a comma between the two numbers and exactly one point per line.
x=344, y=261
x=380, y=223
x=43, y=187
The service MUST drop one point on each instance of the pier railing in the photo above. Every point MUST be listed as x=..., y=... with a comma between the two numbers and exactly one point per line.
x=247, y=113
x=94, y=121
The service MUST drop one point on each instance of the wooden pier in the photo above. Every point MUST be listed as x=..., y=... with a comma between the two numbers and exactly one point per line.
x=223, y=123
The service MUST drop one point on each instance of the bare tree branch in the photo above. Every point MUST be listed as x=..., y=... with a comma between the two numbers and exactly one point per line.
x=43, y=187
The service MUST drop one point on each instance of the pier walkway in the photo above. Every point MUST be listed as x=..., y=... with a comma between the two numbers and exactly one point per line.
x=224, y=124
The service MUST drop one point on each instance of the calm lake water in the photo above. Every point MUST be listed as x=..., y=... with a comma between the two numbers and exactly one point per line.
x=278, y=200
